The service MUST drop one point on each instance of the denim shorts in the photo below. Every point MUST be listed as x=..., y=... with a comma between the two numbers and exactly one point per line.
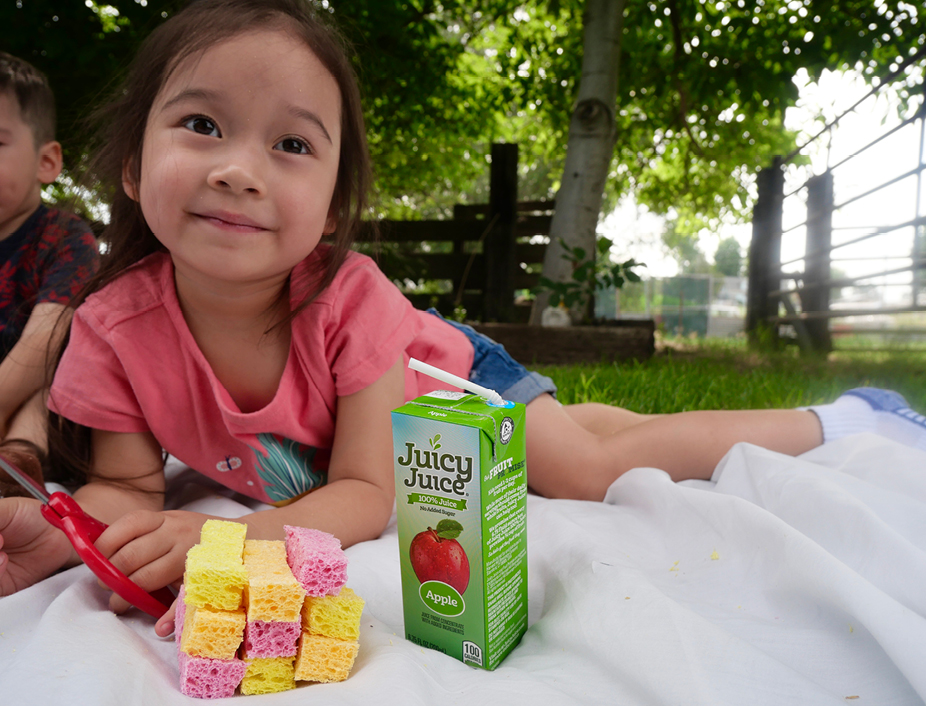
x=495, y=369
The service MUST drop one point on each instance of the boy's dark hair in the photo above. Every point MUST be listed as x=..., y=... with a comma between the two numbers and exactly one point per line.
x=29, y=86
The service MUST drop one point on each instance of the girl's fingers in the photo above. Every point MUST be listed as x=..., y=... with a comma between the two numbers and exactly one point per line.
x=165, y=625
x=162, y=571
x=142, y=552
x=127, y=528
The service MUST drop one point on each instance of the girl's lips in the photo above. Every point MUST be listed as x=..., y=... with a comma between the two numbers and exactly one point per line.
x=231, y=221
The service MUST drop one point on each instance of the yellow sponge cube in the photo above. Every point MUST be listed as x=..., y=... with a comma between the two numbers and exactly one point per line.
x=324, y=659
x=212, y=633
x=215, y=575
x=333, y=616
x=223, y=532
x=272, y=593
x=268, y=675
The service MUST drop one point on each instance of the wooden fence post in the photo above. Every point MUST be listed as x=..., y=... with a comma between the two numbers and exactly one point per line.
x=765, y=255
x=816, y=293
x=499, y=247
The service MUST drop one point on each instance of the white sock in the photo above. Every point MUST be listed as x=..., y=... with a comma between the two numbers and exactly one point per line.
x=868, y=409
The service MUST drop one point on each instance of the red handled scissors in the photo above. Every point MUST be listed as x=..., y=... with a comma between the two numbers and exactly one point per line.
x=63, y=512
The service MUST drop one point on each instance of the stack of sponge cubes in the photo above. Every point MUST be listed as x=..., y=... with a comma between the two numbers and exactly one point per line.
x=264, y=614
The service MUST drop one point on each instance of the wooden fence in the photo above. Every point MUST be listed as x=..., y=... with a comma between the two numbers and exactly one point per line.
x=483, y=252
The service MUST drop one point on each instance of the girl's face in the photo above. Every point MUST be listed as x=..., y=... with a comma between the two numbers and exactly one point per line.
x=240, y=160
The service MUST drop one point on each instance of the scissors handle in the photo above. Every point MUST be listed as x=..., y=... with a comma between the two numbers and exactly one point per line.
x=61, y=505
x=63, y=512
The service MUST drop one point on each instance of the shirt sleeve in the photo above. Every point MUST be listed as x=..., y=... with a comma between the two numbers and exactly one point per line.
x=71, y=257
x=101, y=399
x=371, y=325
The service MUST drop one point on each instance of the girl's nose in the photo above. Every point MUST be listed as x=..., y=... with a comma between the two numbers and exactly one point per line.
x=238, y=170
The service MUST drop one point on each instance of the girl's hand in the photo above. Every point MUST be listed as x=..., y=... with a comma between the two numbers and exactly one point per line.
x=150, y=548
x=30, y=548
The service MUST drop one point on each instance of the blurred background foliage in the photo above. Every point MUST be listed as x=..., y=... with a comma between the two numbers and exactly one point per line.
x=702, y=93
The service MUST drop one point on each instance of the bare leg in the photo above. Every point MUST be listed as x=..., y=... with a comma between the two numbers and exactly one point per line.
x=604, y=419
x=565, y=460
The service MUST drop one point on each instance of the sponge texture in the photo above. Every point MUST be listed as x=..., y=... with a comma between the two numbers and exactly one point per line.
x=204, y=678
x=324, y=659
x=214, y=574
x=268, y=639
x=212, y=633
x=267, y=676
x=223, y=533
x=272, y=592
x=316, y=559
x=333, y=616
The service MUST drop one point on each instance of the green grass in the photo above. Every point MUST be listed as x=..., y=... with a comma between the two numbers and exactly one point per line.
x=723, y=374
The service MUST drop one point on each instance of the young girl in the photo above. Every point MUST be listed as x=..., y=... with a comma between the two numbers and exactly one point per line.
x=224, y=331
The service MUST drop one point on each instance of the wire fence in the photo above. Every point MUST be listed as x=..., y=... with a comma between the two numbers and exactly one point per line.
x=686, y=305
x=834, y=254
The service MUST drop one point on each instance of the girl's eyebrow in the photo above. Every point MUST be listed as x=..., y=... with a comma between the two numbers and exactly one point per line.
x=191, y=94
x=311, y=117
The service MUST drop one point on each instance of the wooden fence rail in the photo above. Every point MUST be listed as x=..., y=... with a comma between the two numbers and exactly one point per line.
x=483, y=252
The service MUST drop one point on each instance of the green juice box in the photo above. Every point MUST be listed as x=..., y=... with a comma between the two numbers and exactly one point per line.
x=461, y=503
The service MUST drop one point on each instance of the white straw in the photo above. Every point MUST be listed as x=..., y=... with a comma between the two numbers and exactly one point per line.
x=451, y=379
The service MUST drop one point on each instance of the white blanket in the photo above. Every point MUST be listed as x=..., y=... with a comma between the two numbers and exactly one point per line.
x=782, y=581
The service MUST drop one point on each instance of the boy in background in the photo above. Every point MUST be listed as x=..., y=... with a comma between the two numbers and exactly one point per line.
x=46, y=256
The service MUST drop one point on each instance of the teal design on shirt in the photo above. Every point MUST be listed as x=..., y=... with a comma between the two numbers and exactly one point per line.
x=286, y=468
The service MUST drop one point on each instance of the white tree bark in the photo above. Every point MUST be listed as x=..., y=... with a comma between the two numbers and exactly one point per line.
x=592, y=132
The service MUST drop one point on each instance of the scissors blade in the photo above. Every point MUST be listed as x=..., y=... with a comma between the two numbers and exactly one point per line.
x=25, y=481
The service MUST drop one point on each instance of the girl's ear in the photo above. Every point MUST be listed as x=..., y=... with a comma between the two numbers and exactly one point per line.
x=331, y=224
x=128, y=181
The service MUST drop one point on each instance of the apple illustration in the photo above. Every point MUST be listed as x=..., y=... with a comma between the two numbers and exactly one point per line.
x=436, y=555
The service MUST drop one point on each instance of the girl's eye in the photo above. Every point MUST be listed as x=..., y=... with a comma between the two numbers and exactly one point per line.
x=202, y=126
x=293, y=145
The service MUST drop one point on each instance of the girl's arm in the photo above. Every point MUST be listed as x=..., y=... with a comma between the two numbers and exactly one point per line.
x=127, y=475
x=126, y=491
x=356, y=503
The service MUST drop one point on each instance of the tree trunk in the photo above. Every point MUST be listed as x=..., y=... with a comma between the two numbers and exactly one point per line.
x=592, y=132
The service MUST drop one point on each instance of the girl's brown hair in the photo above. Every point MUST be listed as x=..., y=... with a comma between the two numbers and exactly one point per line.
x=122, y=122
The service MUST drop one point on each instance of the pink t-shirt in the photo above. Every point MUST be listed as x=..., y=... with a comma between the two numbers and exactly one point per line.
x=132, y=365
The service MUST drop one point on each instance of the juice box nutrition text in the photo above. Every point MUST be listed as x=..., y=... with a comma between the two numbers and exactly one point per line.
x=461, y=503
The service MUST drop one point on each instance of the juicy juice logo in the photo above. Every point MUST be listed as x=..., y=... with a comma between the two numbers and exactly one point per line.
x=421, y=461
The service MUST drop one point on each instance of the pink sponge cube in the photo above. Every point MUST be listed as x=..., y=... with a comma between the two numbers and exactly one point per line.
x=207, y=678
x=316, y=559
x=263, y=639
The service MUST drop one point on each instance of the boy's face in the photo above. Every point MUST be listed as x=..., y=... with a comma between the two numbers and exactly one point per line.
x=24, y=167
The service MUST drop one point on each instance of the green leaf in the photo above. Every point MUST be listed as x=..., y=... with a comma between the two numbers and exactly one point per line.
x=448, y=529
